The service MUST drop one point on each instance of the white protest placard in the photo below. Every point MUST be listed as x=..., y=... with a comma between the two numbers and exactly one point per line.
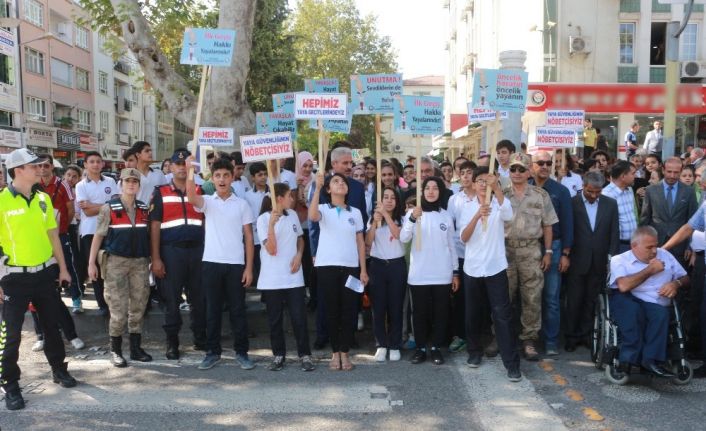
x=565, y=118
x=270, y=146
x=216, y=136
x=320, y=106
x=479, y=115
x=554, y=137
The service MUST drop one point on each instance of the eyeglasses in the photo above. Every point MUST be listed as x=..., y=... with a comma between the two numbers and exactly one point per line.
x=482, y=182
x=519, y=169
x=547, y=163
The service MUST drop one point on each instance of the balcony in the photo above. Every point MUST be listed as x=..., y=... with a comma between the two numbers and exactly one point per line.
x=124, y=138
x=122, y=67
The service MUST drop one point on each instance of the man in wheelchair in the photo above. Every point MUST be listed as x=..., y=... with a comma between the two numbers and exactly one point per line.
x=645, y=279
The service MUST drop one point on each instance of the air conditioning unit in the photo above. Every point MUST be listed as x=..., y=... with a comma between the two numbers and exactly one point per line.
x=62, y=29
x=397, y=148
x=693, y=69
x=580, y=45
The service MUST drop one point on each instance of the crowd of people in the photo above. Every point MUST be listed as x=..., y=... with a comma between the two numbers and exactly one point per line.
x=503, y=261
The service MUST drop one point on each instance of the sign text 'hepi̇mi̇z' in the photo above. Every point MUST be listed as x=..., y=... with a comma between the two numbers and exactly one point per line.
x=318, y=106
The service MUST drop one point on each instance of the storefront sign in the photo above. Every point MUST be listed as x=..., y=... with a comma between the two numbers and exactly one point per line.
x=41, y=137
x=7, y=43
x=165, y=128
x=614, y=98
x=88, y=143
x=69, y=141
x=9, y=100
x=10, y=138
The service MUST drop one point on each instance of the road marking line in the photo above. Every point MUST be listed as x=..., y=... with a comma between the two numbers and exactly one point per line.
x=592, y=414
x=574, y=395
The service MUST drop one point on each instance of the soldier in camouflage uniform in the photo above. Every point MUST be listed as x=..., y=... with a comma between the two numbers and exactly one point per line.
x=124, y=259
x=532, y=219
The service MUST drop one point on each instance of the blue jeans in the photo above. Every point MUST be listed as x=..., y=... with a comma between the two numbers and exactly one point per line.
x=551, y=315
x=643, y=326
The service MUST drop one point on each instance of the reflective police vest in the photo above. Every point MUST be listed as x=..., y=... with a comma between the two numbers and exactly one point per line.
x=125, y=238
x=176, y=209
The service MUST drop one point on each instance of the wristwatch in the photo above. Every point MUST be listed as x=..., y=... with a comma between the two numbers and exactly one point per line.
x=566, y=253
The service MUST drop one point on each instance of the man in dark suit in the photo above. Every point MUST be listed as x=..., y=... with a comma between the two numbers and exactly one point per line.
x=596, y=235
x=668, y=205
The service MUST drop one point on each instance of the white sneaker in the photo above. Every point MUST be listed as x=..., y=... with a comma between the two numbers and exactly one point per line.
x=38, y=346
x=361, y=324
x=380, y=354
x=77, y=343
x=394, y=355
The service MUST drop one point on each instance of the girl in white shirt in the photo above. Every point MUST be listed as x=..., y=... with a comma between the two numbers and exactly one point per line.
x=387, y=274
x=282, y=283
x=433, y=270
x=340, y=256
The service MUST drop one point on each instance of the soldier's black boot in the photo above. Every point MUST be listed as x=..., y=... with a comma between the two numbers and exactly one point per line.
x=116, y=352
x=172, y=347
x=136, y=352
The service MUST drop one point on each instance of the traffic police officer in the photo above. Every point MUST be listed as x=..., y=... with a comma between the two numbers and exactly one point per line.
x=177, y=238
x=125, y=263
x=532, y=218
x=31, y=251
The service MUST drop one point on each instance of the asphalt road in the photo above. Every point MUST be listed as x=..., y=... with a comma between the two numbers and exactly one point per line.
x=563, y=393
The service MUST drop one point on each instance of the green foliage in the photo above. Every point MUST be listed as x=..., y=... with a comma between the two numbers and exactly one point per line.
x=332, y=40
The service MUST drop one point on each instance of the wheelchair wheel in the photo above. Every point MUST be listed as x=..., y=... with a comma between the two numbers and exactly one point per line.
x=597, y=335
x=684, y=373
x=615, y=376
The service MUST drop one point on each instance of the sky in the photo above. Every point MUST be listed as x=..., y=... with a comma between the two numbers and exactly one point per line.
x=417, y=29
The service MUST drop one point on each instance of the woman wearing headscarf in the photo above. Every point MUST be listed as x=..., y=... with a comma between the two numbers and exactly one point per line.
x=433, y=269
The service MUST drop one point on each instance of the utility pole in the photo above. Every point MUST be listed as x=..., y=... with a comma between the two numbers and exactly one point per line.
x=674, y=30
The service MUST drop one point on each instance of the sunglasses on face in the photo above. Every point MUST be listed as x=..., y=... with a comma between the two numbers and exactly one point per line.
x=544, y=163
x=519, y=169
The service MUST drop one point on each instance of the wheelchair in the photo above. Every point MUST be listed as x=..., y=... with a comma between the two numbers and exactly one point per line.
x=605, y=342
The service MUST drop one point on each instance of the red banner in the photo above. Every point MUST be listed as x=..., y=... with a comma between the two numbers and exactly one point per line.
x=614, y=98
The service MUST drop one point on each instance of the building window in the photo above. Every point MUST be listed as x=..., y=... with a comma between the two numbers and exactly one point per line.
x=135, y=95
x=61, y=73
x=136, y=129
x=36, y=109
x=81, y=37
x=7, y=70
x=658, y=38
x=627, y=73
x=7, y=119
x=34, y=12
x=84, y=120
x=103, y=82
x=627, y=42
x=35, y=61
x=82, y=78
x=105, y=122
x=688, y=43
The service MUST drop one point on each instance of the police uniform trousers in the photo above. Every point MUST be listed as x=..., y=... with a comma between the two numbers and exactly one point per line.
x=126, y=293
x=19, y=290
x=525, y=275
x=182, y=263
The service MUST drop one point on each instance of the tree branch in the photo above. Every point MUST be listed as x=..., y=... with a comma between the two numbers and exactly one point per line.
x=136, y=32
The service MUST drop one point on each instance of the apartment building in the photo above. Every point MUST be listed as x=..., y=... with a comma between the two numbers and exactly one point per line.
x=10, y=79
x=604, y=56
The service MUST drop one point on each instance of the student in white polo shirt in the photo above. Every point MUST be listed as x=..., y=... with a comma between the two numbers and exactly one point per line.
x=388, y=273
x=151, y=178
x=283, y=282
x=485, y=271
x=433, y=269
x=92, y=193
x=340, y=256
x=227, y=261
